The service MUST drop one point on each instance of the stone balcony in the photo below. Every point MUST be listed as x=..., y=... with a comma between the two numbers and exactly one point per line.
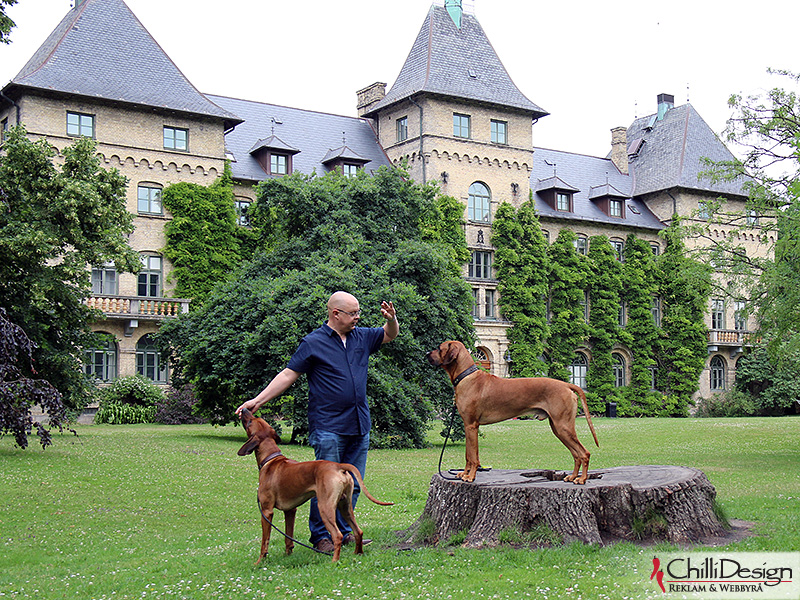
x=729, y=339
x=134, y=308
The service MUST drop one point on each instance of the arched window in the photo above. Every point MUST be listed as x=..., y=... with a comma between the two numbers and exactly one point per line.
x=478, y=203
x=148, y=361
x=717, y=374
x=581, y=244
x=618, y=364
x=101, y=363
x=481, y=358
x=577, y=370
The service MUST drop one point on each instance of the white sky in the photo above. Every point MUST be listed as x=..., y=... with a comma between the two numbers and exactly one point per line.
x=593, y=65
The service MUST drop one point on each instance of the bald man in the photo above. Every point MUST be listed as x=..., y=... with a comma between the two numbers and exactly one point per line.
x=335, y=357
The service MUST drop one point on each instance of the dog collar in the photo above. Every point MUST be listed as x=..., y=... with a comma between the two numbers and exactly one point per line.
x=466, y=373
x=269, y=458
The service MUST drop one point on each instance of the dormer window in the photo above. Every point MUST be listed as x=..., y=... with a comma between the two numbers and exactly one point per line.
x=345, y=160
x=558, y=194
x=609, y=199
x=278, y=164
x=564, y=201
x=274, y=156
x=615, y=208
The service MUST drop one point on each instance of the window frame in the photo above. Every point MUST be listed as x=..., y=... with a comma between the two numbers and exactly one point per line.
x=107, y=364
x=581, y=244
x=716, y=374
x=174, y=138
x=717, y=313
x=558, y=202
x=150, y=200
x=242, y=205
x=275, y=160
x=498, y=132
x=80, y=124
x=462, y=122
x=578, y=370
x=619, y=367
x=473, y=196
x=480, y=269
x=615, y=208
x=153, y=277
x=101, y=278
x=401, y=128
x=148, y=359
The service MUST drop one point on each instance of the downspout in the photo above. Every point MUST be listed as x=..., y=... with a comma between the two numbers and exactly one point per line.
x=12, y=103
x=674, y=206
x=421, y=153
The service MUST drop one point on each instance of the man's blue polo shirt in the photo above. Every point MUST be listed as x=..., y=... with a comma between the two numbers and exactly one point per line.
x=337, y=378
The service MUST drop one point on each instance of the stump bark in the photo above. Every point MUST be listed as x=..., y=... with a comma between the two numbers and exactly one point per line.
x=669, y=503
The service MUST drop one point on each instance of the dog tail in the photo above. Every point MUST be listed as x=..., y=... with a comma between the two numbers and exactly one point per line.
x=580, y=393
x=354, y=472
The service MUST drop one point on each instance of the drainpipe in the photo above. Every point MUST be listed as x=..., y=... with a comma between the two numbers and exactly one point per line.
x=421, y=153
x=12, y=103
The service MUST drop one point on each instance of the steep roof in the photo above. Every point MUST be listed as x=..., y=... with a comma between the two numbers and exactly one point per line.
x=590, y=178
x=314, y=136
x=101, y=50
x=667, y=153
x=456, y=62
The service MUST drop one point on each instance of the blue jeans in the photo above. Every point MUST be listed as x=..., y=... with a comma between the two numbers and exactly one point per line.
x=337, y=448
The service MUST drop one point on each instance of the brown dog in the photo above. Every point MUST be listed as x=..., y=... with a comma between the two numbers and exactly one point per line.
x=286, y=484
x=482, y=398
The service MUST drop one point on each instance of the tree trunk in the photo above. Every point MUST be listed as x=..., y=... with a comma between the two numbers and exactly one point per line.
x=621, y=503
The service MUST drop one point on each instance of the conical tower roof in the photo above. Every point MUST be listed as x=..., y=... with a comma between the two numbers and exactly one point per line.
x=459, y=62
x=102, y=51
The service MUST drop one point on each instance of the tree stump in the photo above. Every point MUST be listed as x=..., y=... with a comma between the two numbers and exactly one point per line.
x=669, y=503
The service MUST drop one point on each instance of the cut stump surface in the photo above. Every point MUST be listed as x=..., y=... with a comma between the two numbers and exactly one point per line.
x=670, y=503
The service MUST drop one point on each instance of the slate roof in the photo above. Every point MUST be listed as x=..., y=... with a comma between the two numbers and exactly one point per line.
x=592, y=177
x=101, y=50
x=667, y=153
x=459, y=63
x=316, y=135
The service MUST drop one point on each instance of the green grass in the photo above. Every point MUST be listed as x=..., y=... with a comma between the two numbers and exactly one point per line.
x=147, y=511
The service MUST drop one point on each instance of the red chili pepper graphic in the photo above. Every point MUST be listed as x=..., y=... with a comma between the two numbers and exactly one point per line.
x=658, y=574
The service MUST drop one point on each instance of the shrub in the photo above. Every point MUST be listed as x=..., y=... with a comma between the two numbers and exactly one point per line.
x=129, y=400
x=177, y=408
x=728, y=404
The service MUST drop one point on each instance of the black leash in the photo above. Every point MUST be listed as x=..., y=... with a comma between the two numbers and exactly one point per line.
x=447, y=437
x=288, y=537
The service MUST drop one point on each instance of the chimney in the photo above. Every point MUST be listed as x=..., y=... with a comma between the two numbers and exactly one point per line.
x=369, y=97
x=455, y=11
x=619, y=148
x=665, y=102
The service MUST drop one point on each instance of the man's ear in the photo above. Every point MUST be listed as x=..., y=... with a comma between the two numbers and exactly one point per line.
x=249, y=446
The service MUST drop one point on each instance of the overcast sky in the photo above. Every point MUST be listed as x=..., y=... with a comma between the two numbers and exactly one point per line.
x=592, y=65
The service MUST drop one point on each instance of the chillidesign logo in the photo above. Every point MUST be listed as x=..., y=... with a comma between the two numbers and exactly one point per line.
x=658, y=573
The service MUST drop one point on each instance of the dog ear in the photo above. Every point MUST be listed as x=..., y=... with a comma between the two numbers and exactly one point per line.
x=249, y=446
x=452, y=353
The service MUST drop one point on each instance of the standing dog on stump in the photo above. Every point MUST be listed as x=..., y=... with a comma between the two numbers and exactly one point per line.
x=482, y=398
x=286, y=484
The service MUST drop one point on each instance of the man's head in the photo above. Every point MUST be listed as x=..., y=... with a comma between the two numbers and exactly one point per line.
x=343, y=312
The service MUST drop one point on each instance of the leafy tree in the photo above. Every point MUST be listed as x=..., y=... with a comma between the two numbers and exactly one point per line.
x=368, y=235
x=522, y=268
x=54, y=221
x=605, y=287
x=568, y=326
x=685, y=288
x=6, y=24
x=20, y=389
x=771, y=390
x=203, y=237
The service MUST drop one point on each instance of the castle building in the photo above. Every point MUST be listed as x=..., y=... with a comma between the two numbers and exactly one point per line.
x=453, y=115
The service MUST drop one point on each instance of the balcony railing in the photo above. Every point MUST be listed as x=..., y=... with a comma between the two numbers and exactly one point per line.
x=730, y=337
x=127, y=307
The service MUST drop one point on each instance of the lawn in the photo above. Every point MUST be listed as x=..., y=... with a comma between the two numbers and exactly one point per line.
x=149, y=511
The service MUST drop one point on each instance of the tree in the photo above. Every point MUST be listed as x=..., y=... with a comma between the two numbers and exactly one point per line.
x=6, y=24
x=522, y=268
x=368, y=235
x=767, y=130
x=56, y=220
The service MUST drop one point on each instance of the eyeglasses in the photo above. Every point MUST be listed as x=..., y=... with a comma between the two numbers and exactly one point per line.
x=354, y=314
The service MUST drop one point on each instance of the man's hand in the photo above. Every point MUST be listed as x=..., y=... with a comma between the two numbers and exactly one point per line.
x=388, y=311
x=251, y=405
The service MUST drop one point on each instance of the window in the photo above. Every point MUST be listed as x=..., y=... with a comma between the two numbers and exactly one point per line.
x=717, y=313
x=242, y=206
x=480, y=266
x=577, y=370
x=656, y=311
x=717, y=374
x=622, y=317
x=278, y=164
x=489, y=311
x=615, y=208
x=584, y=302
x=349, y=170
x=80, y=125
x=101, y=363
x=499, y=132
x=148, y=360
x=104, y=280
x=563, y=202
x=476, y=307
x=739, y=316
x=461, y=126
x=176, y=139
x=618, y=364
x=149, y=200
x=402, y=129
x=703, y=211
x=478, y=203
x=656, y=248
x=3, y=130
x=619, y=248
x=581, y=244
x=752, y=217
x=150, y=277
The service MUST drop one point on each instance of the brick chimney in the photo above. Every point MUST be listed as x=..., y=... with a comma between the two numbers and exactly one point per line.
x=369, y=97
x=619, y=148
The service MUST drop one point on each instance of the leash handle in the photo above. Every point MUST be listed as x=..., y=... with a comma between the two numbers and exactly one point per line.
x=288, y=537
